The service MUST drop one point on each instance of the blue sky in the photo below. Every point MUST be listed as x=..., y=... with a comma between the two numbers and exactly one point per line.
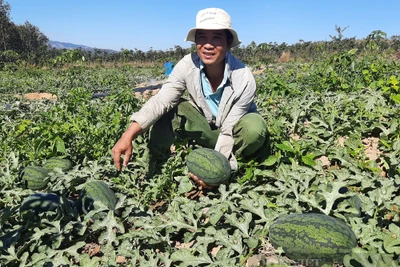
x=161, y=25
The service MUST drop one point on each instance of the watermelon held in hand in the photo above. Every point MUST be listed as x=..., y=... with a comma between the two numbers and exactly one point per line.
x=63, y=164
x=312, y=236
x=209, y=165
x=94, y=191
x=35, y=177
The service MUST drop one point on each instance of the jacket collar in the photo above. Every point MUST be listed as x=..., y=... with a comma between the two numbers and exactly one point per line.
x=228, y=63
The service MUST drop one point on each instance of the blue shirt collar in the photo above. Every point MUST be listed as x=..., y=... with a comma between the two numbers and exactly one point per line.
x=224, y=80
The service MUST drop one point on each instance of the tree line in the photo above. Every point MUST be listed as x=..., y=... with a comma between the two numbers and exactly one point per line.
x=25, y=40
x=26, y=44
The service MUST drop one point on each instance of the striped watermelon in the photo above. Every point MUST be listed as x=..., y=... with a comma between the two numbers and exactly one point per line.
x=63, y=164
x=39, y=202
x=35, y=177
x=312, y=236
x=209, y=165
x=97, y=191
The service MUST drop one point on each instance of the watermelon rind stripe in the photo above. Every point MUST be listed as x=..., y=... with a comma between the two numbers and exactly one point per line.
x=40, y=202
x=209, y=166
x=35, y=177
x=312, y=235
x=98, y=190
x=63, y=164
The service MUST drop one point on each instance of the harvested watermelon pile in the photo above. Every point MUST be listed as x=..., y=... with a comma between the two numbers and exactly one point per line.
x=327, y=190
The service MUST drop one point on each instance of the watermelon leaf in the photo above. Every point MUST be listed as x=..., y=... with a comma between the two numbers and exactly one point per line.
x=360, y=257
x=327, y=194
x=216, y=212
x=107, y=226
x=350, y=205
x=271, y=160
x=165, y=259
x=86, y=260
x=285, y=146
x=185, y=185
x=257, y=205
x=186, y=258
x=60, y=145
x=309, y=160
x=391, y=239
x=242, y=223
x=234, y=241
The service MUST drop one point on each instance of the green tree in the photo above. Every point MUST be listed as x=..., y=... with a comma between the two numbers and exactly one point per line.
x=32, y=39
x=339, y=31
x=5, y=24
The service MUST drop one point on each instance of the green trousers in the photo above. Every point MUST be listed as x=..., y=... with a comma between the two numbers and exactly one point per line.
x=184, y=121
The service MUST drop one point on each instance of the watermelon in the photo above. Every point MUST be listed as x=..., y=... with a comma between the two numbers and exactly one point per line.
x=40, y=202
x=35, y=177
x=97, y=191
x=312, y=236
x=209, y=165
x=63, y=164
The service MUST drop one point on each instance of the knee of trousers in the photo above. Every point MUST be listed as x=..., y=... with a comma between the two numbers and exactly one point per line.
x=252, y=128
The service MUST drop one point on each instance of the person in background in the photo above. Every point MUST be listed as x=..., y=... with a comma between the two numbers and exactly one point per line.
x=219, y=111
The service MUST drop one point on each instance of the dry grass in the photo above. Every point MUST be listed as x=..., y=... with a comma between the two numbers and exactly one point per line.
x=38, y=96
x=93, y=65
x=395, y=55
x=121, y=64
x=285, y=57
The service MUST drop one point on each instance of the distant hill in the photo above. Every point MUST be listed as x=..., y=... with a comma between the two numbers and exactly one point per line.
x=63, y=45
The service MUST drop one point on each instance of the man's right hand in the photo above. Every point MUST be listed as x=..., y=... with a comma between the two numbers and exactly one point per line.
x=124, y=145
x=199, y=182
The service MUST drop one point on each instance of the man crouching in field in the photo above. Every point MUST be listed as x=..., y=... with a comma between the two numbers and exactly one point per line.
x=220, y=113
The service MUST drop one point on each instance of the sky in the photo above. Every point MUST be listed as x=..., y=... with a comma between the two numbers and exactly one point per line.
x=161, y=25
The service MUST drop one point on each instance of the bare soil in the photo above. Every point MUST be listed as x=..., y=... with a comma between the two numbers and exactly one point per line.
x=38, y=96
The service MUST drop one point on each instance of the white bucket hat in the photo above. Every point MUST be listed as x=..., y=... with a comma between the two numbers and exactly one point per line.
x=213, y=19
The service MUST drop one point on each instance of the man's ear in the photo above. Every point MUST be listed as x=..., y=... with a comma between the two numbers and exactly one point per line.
x=230, y=41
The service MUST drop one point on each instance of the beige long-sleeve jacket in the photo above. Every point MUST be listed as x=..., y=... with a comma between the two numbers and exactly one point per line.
x=237, y=99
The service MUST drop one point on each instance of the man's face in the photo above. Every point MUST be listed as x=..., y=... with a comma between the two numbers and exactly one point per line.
x=212, y=46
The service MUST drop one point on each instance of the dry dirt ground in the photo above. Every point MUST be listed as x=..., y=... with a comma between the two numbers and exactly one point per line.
x=38, y=96
x=143, y=90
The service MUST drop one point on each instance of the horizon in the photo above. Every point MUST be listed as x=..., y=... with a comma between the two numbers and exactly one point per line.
x=159, y=25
